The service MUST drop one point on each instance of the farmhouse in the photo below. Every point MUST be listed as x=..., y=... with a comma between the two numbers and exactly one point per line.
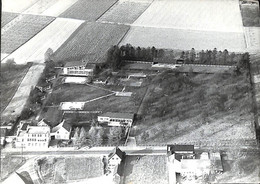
x=61, y=131
x=33, y=136
x=79, y=68
x=115, y=158
x=116, y=119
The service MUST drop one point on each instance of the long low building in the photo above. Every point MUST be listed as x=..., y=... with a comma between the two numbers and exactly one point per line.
x=116, y=119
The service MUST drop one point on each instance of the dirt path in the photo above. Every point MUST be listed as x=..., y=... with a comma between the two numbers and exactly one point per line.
x=19, y=100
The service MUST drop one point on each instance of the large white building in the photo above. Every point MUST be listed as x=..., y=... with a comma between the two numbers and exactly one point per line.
x=116, y=119
x=79, y=68
x=33, y=136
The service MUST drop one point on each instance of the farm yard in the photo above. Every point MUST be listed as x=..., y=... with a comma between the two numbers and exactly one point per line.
x=193, y=15
x=89, y=10
x=184, y=39
x=90, y=39
x=145, y=170
x=7, y=17
x=52, y=36
x=125, y=11
x=23, y=30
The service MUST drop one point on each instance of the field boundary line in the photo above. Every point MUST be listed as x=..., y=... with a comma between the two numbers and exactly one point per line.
x=16, y=89
x=122, y=38
x=106, y=10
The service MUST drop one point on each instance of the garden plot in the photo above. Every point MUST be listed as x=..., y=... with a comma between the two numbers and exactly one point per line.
x=59, y=7
x=16, y=6
x=145, y=170
x=7, y=17
x=23, y=30
x=207, y=15
x=125, y=11
x=89, y=10
x=184, y=39
x=91, y=39
x=53, y=36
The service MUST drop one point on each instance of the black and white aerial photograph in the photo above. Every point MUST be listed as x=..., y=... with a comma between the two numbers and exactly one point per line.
x=130, y=92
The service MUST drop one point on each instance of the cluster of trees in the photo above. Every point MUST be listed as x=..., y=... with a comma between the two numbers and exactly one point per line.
x=211, y=57
x=116, y=54
x=97, y=136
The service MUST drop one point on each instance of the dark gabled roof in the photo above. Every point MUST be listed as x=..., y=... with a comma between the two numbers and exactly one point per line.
x=118, y=115
x=179, y=148
x=66, y=126
x=117, y=152
x=75, y=63
x=24, y=126
x=177, y=156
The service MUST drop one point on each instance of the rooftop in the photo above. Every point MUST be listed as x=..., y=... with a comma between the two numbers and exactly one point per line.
x=63, y=124
x=195, y=164
x=180, y=148
x=118, y=115
x=38, y=130
x=80, y=63
x=116, y=151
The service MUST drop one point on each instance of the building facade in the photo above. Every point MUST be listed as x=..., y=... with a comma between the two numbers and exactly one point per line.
x=79, y=68
x=116, y=119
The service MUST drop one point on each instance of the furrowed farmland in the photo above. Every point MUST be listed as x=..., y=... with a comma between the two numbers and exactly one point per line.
x=23, y=30
x=89, y=10
x=40, y=6
x=91, y=39
x=125, y=11
x=7, y=17
x=53, y=36
x=16, y=6
x=184, y=25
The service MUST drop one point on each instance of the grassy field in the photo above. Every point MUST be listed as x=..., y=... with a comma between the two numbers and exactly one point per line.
x=8, y=165
x=17, y=6
x=40, y=6
x=206, y=107
x=91, y=39
x=184, y=39
x=250, y=15
x=23, y=30
x=53, y=36
x=88, y=10
x=133, y=9
x=7, y=17
x=240, y=167
x=146, y=170
x=10, y=79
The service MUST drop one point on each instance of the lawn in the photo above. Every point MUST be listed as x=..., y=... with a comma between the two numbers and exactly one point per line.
x=146, y=170
x=203, y=107
x=11, y=78
x=91, y=39
x=7, y=17
x=133, y=9
x=81, y=168
x=23, y=30
x=88, y=10
x=250, y=15
x=52, y=36
x=9, y=165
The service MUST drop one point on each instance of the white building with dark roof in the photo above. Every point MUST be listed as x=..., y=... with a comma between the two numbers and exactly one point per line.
x=61, y=131
x=116, y=119
x=79, y=68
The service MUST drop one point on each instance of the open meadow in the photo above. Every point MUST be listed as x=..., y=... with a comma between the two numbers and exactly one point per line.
x=7, y=17
x=52, y=36
x=193, y=15
x=22, y=31
x=145, y=170
x=90, y=39
x=40, y=6
x=184, y=39
x=89, y=10
x=125, y=11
